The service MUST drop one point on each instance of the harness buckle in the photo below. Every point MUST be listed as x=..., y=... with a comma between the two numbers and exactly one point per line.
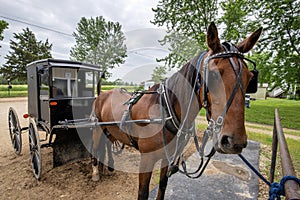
x=161, y=89
x=220, y=121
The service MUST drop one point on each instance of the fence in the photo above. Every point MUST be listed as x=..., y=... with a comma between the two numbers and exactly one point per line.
x=291, y=187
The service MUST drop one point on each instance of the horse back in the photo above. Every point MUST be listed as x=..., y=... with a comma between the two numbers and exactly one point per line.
x=109, y=105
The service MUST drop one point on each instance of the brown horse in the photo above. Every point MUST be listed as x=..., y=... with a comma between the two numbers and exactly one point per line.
x=216, y=79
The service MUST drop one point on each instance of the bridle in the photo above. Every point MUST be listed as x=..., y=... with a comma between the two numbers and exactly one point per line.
x=214, y=126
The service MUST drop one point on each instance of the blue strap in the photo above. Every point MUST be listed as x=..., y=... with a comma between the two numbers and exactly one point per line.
x=277, y=189
x=254, y=170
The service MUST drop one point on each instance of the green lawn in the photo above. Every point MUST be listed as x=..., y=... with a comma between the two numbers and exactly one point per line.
x=263, y=111
x=16, y=91
x=14, y=88
x=21, y=90
x=293, y=146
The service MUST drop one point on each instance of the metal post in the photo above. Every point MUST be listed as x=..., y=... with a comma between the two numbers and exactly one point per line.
x=291, y=188
x=9, y=87
x=274, y=153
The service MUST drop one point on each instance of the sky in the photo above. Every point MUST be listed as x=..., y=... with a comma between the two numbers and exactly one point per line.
x=56, y=20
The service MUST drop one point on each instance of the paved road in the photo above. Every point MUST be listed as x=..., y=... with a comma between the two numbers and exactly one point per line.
x=20, y=105
x=226, y=177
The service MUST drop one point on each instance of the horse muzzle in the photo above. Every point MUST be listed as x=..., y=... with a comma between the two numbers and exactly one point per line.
x=229, y=145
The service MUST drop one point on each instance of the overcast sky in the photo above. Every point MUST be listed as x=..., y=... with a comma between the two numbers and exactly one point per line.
x=62, y=16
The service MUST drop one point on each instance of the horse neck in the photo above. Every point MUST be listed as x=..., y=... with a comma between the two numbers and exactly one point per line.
x=181, y=91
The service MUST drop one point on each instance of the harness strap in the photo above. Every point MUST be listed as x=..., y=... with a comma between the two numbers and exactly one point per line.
x=233, y=48
x=173, y=124
x=276, y=189
x=127, y=128
x=183, y=133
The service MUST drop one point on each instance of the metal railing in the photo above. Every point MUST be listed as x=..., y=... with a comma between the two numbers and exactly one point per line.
x=291, y=188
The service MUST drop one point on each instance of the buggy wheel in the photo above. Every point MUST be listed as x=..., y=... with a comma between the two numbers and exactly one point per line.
x=15, y=130
x=35, y=149
x=117, y=147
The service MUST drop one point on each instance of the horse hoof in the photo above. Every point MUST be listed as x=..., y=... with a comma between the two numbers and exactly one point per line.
x=95, y=178
x=111, y=169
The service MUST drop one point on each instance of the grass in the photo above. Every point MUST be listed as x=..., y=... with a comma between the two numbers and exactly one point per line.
x=21, y=90
x=127, y=87
x=262, y=111
x=270, y=129
x=4, y=94
x=293, y=146
x=3, y=88
x=16, y=91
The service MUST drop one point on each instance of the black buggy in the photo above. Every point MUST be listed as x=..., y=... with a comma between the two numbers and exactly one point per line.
x=58, y=90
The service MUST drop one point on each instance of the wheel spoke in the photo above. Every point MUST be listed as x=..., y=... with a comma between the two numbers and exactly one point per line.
x=36, y=162
x=34, y=145
x=14, y=131
x=17, y=142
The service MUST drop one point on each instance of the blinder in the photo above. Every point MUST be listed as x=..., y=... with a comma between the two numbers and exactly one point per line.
x=252, y=86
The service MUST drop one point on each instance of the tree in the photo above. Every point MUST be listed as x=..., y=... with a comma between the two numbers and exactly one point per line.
x=186, y=23
x=277, y=51
x=159, y=74
x=3, y=26
x=99, y=42
x=281, y=21
x=25, y=49
x=236, y=18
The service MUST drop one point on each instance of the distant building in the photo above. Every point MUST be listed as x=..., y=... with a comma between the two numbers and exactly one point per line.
x=261, y=92
x=276, y=92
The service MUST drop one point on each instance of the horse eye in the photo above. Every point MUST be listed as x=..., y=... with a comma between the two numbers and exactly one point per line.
x=213, y=81
x=214, y=76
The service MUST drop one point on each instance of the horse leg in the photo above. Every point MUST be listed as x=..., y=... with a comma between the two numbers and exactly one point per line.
x=97, y=135
x=109, y=144
x=163, y=180
x=102, y=152
x=95, y=173
x=146, y=167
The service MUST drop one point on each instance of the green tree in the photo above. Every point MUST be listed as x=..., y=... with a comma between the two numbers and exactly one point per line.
x=159, y=74
x=236, y=19
x=186, y=23
x=281, y=22
x=24, y=50
x=3, y=26
x=99, y=42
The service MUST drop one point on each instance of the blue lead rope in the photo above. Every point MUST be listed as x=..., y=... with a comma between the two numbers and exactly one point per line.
x=276, y=189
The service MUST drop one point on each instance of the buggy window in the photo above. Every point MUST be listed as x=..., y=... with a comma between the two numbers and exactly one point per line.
x=73, y=82
x=43, y=81
x=64, y=82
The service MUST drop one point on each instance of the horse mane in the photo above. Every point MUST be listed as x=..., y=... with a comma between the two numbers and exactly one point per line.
x=187, y=74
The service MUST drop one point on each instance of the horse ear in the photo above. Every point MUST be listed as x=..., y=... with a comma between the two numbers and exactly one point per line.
x=248, y=43
x=212, y=38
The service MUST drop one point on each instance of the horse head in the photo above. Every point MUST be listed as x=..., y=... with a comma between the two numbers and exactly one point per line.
x=226, y=77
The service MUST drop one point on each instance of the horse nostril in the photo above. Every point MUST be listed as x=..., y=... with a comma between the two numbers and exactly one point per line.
x=239, y=147
x=225, y=141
